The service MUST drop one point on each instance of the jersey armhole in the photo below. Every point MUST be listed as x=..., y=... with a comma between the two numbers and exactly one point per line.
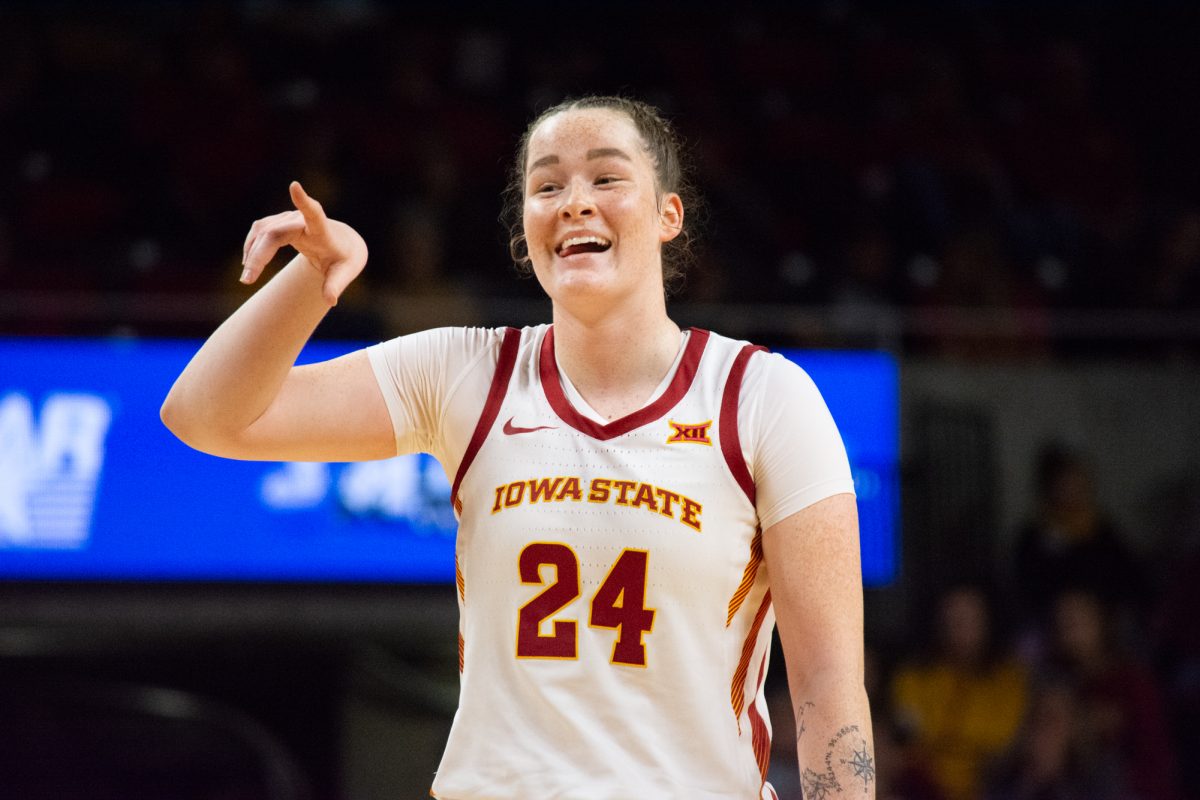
x=491, y=407
x=731, y=443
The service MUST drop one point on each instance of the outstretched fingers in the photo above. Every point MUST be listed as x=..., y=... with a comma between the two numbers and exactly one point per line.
x=257, y=229
x=332, y=247
x=266, y=236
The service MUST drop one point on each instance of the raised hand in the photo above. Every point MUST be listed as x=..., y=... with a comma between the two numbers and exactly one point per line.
x=333, y=248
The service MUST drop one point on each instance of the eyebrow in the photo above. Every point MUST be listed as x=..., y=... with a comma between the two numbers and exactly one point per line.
x=597, y=152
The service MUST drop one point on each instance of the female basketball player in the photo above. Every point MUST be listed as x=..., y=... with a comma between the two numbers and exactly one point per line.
x=638, y=503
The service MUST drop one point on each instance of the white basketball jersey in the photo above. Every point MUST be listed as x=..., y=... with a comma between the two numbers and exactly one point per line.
x=615, y=616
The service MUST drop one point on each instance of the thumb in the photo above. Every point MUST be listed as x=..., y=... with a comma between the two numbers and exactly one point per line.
x=314, y=214
x=336, y=281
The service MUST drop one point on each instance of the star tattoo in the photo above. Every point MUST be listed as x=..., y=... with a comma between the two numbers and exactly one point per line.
x=862, y=764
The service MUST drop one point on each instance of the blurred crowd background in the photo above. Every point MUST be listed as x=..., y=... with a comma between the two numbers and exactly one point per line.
x=1007, y=197
x=857, y=156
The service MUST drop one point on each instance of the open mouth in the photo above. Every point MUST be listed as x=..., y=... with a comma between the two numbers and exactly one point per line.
x=582, y=244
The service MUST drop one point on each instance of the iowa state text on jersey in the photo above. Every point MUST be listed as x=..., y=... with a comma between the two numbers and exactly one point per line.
x=634, y=494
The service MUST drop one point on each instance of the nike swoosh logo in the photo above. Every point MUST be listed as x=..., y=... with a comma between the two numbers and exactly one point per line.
x=510, y=429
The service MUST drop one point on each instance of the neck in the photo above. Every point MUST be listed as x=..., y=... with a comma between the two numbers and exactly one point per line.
x=617, y=361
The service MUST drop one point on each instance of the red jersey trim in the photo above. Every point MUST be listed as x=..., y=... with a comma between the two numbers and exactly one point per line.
x=680, y=383
x=731, y=443
x=760, y=737
x=491, y=407
x=737, y=689
x=748, y=576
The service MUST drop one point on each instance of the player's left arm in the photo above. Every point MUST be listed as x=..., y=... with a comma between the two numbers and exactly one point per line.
x=812, y=558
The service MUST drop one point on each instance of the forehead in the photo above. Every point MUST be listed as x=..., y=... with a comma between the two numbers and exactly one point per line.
x=573, y=133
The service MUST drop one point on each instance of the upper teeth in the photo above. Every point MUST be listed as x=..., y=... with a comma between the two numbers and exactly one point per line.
x=574, y=241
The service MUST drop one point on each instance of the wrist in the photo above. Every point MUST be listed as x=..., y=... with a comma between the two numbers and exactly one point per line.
x=304, y=282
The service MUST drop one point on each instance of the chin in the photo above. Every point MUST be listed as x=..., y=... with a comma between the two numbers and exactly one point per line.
x=575, y=286
x=582, y=275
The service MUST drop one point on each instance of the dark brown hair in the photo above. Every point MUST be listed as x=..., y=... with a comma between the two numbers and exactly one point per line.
x=665, y=150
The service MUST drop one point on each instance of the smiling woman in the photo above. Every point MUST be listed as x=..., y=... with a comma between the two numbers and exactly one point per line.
x=660, y=143
x=595, y=219
x=675, y=488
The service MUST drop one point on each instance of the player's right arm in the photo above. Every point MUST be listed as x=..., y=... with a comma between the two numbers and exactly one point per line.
x=241, y=395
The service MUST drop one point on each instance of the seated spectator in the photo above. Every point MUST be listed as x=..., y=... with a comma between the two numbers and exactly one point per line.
x=1120, y=701
x=1177, y=640
x=1051, y=760
x=901, y=770
x=962, y=704
x=1070, y=542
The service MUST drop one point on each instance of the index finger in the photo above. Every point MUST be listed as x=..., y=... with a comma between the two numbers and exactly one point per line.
x=314, y=215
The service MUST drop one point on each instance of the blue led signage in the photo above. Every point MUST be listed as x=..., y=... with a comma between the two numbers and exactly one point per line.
x=93, y=487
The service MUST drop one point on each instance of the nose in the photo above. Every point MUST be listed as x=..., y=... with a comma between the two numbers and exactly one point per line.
x=577, y=201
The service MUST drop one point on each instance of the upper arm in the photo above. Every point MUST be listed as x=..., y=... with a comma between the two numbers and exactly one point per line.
x=378, y=402
x=813, y=564
x=806, y=505
x=329, y=411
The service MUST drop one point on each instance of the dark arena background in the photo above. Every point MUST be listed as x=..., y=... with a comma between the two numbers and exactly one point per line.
x=976, y=224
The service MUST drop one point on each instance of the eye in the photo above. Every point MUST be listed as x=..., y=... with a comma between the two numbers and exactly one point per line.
x=544, y=188
x=603, y=179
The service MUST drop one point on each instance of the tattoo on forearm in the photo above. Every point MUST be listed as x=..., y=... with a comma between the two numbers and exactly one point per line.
x=818, y=787
x=800, y=728
x=849, y=766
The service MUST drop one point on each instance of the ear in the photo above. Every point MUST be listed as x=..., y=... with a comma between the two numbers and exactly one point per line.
x=670, y=217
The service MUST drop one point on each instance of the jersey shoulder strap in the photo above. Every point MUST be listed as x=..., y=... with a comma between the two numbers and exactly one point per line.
x=491, y=407
x=731, y=443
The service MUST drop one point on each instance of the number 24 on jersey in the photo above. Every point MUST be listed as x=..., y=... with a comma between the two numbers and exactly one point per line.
x=619, y=604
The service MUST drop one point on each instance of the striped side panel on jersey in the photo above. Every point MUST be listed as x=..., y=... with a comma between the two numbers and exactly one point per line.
x=737, y=689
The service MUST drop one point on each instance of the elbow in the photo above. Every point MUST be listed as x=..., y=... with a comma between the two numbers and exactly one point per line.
x=184, y=425
x=175, y=419
x=828, y=681
x=199, y=432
